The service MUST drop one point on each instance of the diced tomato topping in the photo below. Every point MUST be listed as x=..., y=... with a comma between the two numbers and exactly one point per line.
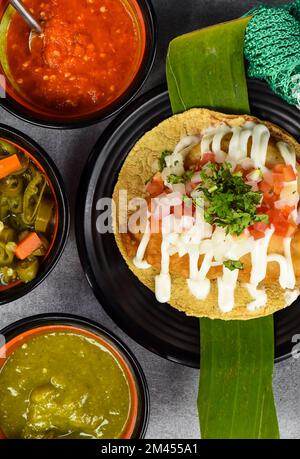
x=269, y=197
x=258, y=230
x=277, y=182
x=272, y=185
x=285, y=173
x=286, y=210
x=289, y=174
x=156, y=186
x=272, y=188
x=285, y=229
x=262, y=209
x=256, y=233
x=208, y=158
x=278, y=187
x=279, y=218
x=279, y=168
x=292, y=229
x=260, y=226
x=276, y=215
x=265, y=187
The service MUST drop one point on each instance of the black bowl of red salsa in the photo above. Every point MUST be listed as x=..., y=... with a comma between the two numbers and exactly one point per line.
x=90, y=61
x=34, y=215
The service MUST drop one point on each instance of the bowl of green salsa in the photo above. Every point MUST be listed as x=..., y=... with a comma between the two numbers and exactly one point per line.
x=65, y=377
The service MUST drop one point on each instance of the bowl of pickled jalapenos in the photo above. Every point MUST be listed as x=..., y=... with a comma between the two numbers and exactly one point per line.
x=33, y=215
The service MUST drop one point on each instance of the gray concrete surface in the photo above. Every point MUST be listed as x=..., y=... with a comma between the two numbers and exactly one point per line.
x=173, y=388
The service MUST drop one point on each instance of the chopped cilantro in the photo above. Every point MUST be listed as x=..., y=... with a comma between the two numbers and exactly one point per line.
x=228, y=201
x=198, y=202
x=174, y=179
x=162, y=159
x=238, y=174
x=233, y=264
x=185, y=177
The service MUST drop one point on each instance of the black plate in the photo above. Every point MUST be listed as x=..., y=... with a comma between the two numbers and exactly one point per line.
x=158, y=327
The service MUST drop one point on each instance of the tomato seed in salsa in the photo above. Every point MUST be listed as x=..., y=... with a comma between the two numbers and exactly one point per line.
x=87, y=57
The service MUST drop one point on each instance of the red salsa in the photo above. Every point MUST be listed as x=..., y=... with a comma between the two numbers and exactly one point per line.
x=88, y=55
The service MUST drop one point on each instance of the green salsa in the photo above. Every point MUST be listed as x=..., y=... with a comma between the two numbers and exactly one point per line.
x=63, y=384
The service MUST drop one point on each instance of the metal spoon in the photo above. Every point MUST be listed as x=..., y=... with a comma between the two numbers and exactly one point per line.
x=36, y=28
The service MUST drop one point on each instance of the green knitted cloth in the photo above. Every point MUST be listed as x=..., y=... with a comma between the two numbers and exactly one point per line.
x=272, y=48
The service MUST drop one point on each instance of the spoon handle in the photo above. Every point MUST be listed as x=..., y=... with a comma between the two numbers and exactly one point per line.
x=26, y=15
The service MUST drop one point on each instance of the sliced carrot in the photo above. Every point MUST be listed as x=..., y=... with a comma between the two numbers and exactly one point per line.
x=28, y=245
x=9, y=165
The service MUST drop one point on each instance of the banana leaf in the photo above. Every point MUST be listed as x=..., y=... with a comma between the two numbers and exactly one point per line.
x=206, y=69
x=235, y=392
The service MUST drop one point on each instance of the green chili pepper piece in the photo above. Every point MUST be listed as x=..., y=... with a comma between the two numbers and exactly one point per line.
x=7, y=275
x=6, y=256
x=32, y=198
x=6, y=148
x=8, y=235
x=44, y=215
x=16, y=222
x=4, y=207
x=27, y=269
x=11, y=186
x=16, y=205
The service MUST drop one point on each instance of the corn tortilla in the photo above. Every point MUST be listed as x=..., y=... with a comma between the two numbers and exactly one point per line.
x=139, y=167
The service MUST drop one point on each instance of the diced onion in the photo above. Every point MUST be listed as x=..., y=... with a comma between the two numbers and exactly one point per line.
x=268, y=176
x=253, y=185
x=255, y=176
x=291, y=202
x=196, y=178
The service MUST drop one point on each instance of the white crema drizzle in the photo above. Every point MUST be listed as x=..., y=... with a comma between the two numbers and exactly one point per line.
x=198, y=239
